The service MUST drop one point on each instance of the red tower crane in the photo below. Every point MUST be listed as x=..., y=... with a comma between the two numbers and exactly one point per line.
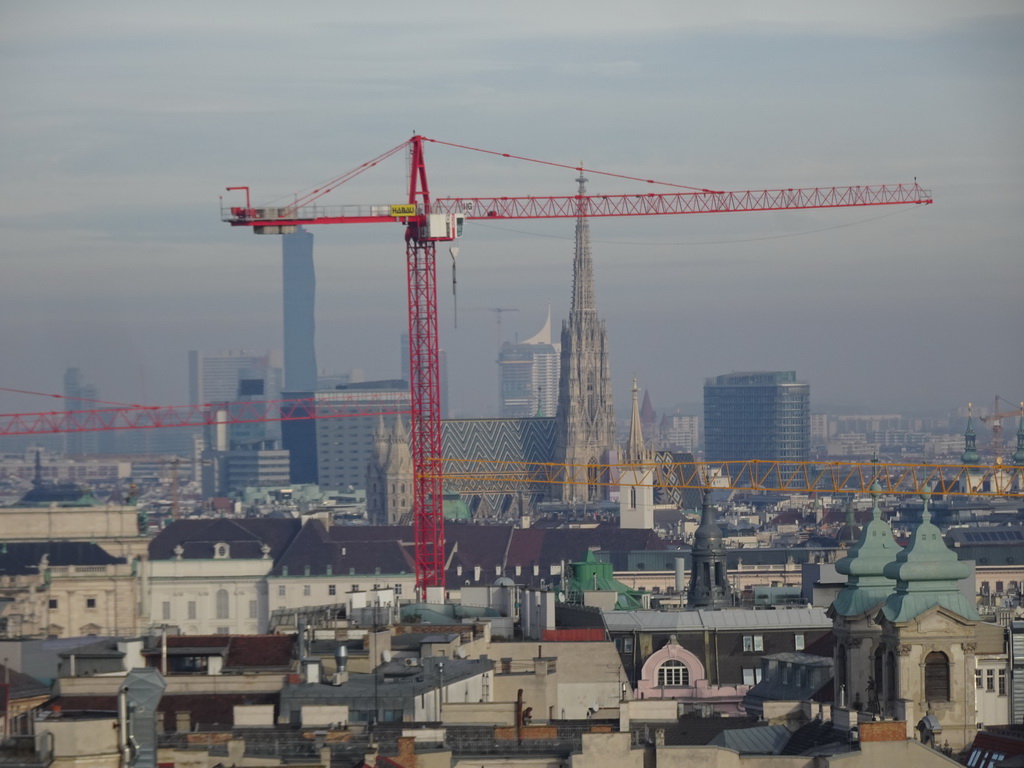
x=428, y=222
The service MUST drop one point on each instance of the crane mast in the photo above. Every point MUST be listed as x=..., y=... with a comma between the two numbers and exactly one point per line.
x=430, y=222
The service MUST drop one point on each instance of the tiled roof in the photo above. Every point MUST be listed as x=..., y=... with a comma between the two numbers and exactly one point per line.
x=495, y=549
x=318, y=548
x=246, y=538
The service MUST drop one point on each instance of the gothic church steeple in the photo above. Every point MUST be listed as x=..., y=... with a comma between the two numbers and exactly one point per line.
x=585, y=421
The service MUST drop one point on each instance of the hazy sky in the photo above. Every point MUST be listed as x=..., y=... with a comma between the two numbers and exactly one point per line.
x=122, y=122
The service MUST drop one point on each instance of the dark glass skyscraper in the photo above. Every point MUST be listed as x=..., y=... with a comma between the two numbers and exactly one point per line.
x=299, y=281
x=760, y=415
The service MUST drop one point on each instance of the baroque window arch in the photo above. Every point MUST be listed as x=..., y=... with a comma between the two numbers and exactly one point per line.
x=673, y=673
x=670, y=667
x=936, y=676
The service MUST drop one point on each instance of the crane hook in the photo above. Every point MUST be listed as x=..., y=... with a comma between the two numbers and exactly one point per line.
x=454, y=251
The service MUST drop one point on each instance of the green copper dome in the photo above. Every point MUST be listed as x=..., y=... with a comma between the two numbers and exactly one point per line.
x=970, y=454
x=927, y=573
x=867, y=585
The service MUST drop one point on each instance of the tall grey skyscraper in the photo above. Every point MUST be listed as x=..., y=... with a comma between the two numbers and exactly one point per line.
x=79, y=396
x=585, y=421
x=299, y=280
x=757, y=415
x=334, y=452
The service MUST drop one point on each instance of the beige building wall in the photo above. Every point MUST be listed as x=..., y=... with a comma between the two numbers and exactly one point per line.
x=82, y=743
x=187, y=594
x=113, y=527
x=588, y=673
x=936, y=630
x=69, y=601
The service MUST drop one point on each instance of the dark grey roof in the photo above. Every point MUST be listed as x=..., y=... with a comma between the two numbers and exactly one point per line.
x=788, y=676
x=245, y=537
x=394, y=684
x=690, y=729
x=729, y=618
x=340, y=551
x=994, y=536
x=104, y=648
x=19, y=558
x=764, y=740
x=22, y=686
x=817, y=736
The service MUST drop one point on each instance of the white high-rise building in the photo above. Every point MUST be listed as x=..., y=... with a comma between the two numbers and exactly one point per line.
x=681, y=433
x=528, y=376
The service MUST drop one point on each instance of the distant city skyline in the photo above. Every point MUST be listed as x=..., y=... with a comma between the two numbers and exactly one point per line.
x=117, y=139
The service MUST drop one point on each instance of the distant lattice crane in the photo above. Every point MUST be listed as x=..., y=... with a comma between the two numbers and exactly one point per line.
x=996, y=420
x=498, y=312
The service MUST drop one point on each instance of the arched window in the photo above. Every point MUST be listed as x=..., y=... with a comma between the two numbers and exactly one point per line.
x=936, y=677
x=222, y=604
x=673, y=672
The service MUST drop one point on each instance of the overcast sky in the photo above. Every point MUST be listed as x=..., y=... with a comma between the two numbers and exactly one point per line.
x=122, y=122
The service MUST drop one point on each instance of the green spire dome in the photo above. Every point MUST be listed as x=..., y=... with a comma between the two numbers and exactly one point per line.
x=970, y=454
x=1018, y=455
x=927, y=574
x=867, y=585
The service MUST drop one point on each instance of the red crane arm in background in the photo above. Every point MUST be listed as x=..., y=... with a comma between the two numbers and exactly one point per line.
x=427, y=223
x=208, y=414
x=567, y=206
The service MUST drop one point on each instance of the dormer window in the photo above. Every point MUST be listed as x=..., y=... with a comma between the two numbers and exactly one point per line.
x=221, y=551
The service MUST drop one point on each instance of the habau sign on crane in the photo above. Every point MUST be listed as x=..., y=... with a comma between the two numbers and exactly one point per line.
x=428, y=222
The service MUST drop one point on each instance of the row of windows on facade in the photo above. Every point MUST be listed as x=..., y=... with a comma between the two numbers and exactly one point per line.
x=222, y=604
x=332, y=589
x=221, y=610
x=90, y=602
x=989, y=681
x=674, y=674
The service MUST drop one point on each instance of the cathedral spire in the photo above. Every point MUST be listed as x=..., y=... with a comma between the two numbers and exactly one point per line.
x=582, y=267
x=585, y=419
x=635, y=450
